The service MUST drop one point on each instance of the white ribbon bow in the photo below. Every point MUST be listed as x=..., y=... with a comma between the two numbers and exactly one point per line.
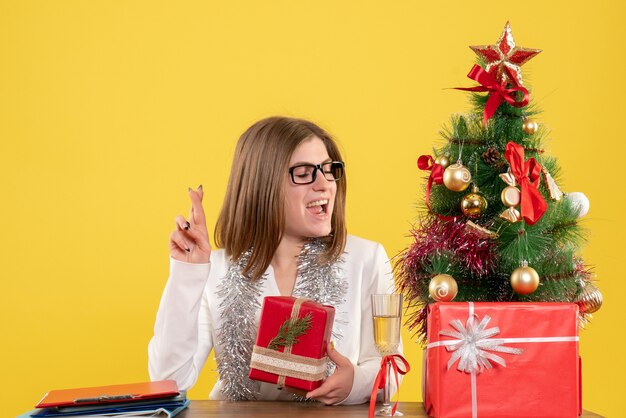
x=473, y=345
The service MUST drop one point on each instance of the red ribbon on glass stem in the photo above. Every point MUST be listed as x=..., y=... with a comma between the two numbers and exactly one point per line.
x=528, y=176
x=497, y=92
x=381, y=379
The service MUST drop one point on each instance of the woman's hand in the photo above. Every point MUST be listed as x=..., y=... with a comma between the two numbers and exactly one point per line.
x=338, y=386
x=190, y=241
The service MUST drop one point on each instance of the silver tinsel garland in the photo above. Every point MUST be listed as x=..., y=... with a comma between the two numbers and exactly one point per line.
x=240, y=302
x=322, y=282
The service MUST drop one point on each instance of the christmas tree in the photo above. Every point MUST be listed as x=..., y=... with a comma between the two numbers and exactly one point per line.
x=496, y=227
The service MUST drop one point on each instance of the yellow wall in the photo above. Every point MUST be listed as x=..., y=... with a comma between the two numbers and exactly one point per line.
x=109, y=110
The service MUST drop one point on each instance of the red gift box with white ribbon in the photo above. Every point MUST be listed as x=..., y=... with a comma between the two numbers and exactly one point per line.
x=502, y=360
x=303, y=364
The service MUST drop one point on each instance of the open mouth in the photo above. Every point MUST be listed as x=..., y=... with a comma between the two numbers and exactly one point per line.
x=318, y=207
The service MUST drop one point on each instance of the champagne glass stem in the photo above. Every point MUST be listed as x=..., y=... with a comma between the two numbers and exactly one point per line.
x=386, y=390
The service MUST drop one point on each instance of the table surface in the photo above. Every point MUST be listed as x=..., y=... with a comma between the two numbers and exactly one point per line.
x=207, y=409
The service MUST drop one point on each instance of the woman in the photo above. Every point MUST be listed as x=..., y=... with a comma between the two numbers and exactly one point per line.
x=281, y=232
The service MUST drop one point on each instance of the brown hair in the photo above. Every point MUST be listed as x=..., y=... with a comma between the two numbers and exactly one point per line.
x=253, y=214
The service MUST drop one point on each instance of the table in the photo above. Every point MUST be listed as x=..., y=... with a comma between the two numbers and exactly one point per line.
x=209, y=409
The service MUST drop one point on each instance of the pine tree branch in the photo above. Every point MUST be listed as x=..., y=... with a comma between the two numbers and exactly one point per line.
x=467, y=141
x=570, y=275
x=561, y=226
x=289, y=332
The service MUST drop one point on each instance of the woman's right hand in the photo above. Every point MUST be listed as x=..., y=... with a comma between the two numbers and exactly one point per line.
x=190, y=241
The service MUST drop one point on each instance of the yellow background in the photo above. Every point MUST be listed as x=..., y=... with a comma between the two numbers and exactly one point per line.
x=109, y=110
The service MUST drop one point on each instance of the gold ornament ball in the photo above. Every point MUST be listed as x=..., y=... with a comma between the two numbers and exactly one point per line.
x=457, y=177
x=529, y=127
x=524, y=280
x=443, y=160
x=590, y=299
x=443, y=288
x=473, y=205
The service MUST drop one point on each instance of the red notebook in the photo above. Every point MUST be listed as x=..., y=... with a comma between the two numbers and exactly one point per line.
x=109, y=394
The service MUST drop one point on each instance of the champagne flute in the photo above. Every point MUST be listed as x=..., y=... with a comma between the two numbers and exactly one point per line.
x=387, y=313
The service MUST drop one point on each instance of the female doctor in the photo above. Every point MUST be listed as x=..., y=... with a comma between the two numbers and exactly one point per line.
x=281, y=231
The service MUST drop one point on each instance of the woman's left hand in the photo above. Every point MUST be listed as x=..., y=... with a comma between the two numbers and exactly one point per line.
x=338, y=386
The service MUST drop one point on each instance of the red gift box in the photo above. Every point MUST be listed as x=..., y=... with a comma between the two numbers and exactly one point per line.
x=502, y=360
x=303, y=364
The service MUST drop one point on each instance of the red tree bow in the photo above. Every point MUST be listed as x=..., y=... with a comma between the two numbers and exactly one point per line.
x=381, y=379
x=427, y=163
x=528, y=176
x=497, y=92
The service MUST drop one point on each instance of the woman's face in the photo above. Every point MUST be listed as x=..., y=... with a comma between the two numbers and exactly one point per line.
x=309, y=207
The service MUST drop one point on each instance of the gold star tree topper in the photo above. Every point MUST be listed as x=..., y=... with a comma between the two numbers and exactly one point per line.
x=504, y=59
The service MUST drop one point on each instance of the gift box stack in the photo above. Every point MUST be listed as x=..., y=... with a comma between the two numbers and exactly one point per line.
x=291, y=343
x=501, y=239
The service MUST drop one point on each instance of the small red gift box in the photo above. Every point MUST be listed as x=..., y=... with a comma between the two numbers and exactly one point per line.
x=303, y=364
x=502, y=360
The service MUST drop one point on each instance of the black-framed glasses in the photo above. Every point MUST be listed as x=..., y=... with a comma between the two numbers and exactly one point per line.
x=307, y=173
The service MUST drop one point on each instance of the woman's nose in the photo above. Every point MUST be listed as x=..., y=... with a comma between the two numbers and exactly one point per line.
x=320, y=179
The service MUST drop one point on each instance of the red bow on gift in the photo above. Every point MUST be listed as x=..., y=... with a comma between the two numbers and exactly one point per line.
x=497, y=92
x=528, y=177
x=381, y=379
